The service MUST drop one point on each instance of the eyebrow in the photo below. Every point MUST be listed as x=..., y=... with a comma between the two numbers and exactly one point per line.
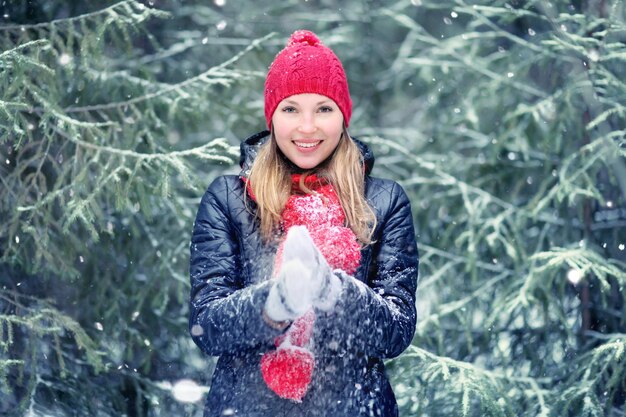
x=317, y=104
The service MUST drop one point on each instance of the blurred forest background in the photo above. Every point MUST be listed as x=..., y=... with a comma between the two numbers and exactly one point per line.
x=505, y=121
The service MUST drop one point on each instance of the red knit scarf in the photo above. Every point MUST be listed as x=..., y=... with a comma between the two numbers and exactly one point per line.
x=288, y=370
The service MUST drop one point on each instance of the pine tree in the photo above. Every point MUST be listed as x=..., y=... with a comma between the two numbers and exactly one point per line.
x=100, y=147
x=504, y=121
x=516, y=166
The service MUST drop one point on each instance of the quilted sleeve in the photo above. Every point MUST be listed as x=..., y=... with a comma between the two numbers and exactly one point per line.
x=378, y=318
x=225, y=316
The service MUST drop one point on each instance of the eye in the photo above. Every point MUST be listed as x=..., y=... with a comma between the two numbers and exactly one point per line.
x=289, y=109
x=326, y=109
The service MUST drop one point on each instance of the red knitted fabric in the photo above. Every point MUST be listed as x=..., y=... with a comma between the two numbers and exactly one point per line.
x=315, y=210
x=299, y=334
x=288, y=370
x=323, y=216
x=306, y=65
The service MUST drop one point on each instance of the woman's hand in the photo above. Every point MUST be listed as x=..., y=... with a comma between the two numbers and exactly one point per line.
x=304, y=280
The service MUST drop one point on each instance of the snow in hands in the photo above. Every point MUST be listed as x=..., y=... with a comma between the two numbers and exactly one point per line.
x=303, y=280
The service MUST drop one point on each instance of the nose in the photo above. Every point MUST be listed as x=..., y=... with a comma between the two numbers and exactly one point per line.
x=307, y=123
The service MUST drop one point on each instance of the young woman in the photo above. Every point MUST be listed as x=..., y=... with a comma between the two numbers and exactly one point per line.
x=303, y=267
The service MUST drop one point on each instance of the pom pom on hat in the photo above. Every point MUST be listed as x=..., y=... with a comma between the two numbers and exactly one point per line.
x=303, y=36
x=306, y=65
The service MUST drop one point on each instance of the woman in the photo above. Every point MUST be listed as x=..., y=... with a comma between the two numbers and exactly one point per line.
x=303, y=268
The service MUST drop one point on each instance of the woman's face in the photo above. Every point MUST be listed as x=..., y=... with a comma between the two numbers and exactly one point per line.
x=307, y=128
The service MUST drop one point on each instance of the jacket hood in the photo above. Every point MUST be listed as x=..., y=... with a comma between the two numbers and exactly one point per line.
x=249, y=149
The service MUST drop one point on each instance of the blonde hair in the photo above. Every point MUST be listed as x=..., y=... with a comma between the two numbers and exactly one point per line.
x=270, y=183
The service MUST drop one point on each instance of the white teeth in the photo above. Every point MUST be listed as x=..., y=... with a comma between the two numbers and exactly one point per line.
x=307, y=145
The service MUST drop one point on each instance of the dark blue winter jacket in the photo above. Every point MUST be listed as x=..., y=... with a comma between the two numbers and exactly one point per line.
x=373, y=320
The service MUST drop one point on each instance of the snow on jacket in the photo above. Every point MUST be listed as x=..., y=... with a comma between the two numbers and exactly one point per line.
x=373, y=320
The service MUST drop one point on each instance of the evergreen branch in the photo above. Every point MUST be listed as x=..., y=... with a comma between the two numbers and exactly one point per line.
x=463, y=259
x=201, y=152
x=590, y=154
x=48, y=320
x=616, y=19
x=456, y=305
x=50, y=196
x=433, y=277
x=182, y=279
x=185, y=45
x=53, y=109
x=27, y=163
x=540, y=107
x=173, y=50
x=106, y=12
x=583, y=260
x=209, y=77
x=488, y=380
x=449, y=180
x=494, y=11
x=580, y=45
x=606, y=336
x=179, y=87
x=4, y=105
x=119, y=77
x=13, y=297
x=618, y=109
x=6, y=363
x=478, y=11
x=81, y=338
x=13, y=54
x=603, y=372
x=33, y=322
x=79, y=209
x=445, y=178
x=469, y=63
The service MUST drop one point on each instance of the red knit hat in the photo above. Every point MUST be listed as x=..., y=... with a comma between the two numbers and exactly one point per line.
x=306, y=65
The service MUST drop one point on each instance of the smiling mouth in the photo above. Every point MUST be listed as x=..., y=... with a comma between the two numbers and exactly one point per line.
x=307, y=145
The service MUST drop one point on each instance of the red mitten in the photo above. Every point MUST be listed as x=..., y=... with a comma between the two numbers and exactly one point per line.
x=287, y=371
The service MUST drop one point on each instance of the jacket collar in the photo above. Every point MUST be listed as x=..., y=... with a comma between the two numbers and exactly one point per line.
x=249, y=149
